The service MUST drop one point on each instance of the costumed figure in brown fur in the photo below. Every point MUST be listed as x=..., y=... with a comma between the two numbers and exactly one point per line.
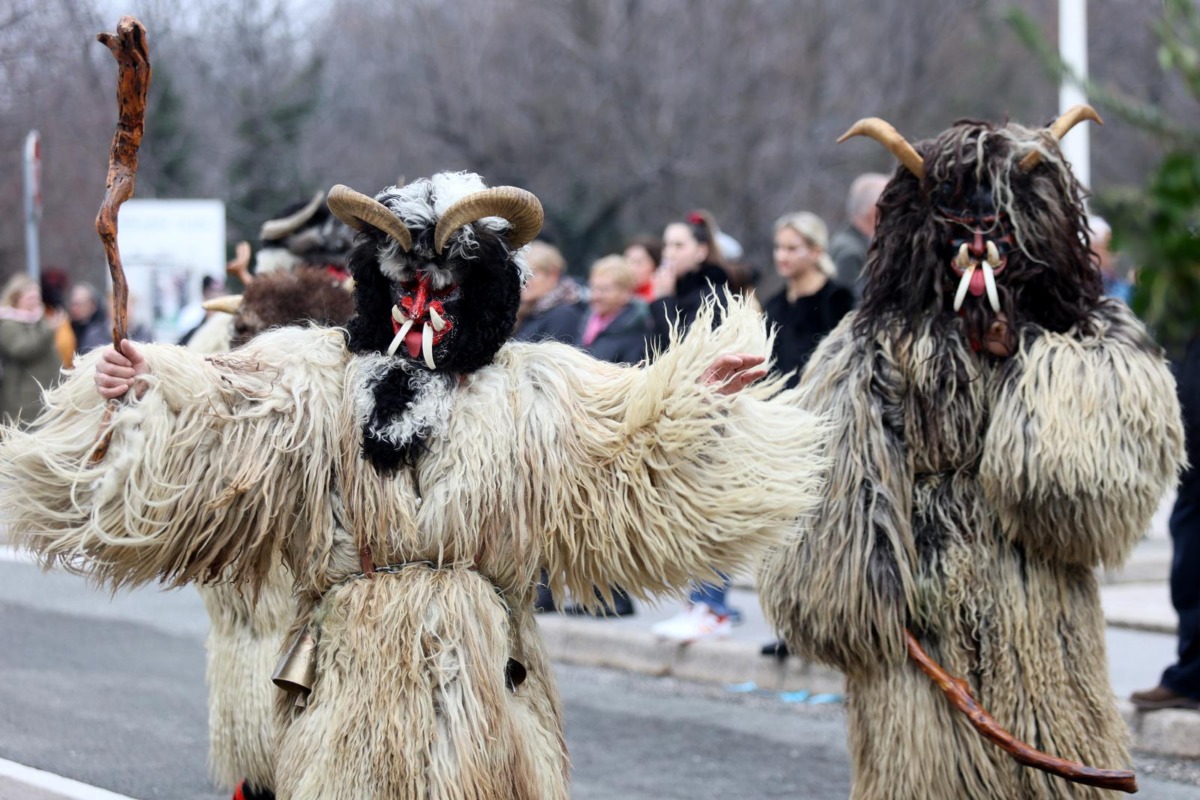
x=417, y=472
x=300, y=278
x=1000, y=431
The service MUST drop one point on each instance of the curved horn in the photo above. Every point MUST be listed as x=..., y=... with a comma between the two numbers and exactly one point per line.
x=889, y=137
x=359, y=211
x=230, y=303
x=1058, y=129
x=520, y=208
x=278, y=228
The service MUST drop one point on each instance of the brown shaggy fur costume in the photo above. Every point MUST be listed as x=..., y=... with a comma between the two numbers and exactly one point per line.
x=972, y=496
x=247, y=632
x=602, y=474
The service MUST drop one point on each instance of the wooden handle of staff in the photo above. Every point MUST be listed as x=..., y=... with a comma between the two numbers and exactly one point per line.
x=129, y=48
x=958, y=693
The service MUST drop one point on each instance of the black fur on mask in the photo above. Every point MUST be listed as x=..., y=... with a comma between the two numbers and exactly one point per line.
x=484, y=313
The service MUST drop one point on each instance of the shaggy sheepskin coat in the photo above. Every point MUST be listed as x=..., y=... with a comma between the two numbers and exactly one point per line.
x=645, y=478
x=971, y=501
x=245, y=639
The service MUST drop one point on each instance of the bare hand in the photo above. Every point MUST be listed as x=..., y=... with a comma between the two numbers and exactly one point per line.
x=240, y=266
x=1000, y=340
x=115, y=372
x=733, y=372
x=663, y=281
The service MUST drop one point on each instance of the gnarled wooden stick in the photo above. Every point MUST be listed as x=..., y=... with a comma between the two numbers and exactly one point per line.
x=129, y=48
x=958, y=693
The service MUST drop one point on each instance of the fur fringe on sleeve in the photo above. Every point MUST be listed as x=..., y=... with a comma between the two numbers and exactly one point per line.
x=1084, y=439
x=838, y=593
x=221, y=458
x=646, y=479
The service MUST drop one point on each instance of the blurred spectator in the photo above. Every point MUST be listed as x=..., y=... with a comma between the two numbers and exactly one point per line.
x=27, y=350
x=691, y=272
x=615, y=330
x=193, y=315
x=644, y=254
x=55, y=285
x=1179, y=686
x=551, y=303
x=848, y=248
x=1101, y=235
x=88, y=318
x=811, y=304
x=618, y=324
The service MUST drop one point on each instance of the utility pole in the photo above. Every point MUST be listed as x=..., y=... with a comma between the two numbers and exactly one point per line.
x=33, y=202
x=1072, y=48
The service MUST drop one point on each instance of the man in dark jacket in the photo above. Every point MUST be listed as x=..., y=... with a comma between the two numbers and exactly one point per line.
x=848, y=247
x=88, y=318
x=1180, y=683
x=552, y=305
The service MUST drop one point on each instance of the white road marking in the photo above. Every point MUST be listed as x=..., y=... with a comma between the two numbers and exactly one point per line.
x=48, y=781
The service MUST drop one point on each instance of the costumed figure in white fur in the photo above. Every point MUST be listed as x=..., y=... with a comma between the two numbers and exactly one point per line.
x=300, y=277
x=417, y=472
x=1000, y=431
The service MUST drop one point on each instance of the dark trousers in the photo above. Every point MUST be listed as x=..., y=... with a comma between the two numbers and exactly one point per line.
x=1183, y=677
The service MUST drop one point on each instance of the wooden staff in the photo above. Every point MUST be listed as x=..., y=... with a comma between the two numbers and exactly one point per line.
x=958, y=693
x=129, y=48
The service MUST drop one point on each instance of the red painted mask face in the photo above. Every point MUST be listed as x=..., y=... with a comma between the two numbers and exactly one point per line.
x=423, y=314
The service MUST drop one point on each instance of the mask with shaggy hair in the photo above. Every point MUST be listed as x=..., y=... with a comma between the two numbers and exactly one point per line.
x=438, y=271
x=303, y=234
x=985, y=223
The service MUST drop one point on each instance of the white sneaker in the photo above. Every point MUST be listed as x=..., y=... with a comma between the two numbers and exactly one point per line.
x=697, y=622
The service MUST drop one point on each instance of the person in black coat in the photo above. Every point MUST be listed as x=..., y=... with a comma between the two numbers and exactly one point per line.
x=691, y=272
x=552, y=307
x=810, y=304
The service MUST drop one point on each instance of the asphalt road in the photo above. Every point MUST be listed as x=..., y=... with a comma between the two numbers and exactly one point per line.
x=111, y=693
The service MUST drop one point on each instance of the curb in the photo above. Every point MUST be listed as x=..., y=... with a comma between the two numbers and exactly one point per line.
x=595, y=644
x=1170, y=732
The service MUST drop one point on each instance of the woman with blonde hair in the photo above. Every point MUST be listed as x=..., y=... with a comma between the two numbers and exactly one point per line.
x=811, y=304
x=27, y=350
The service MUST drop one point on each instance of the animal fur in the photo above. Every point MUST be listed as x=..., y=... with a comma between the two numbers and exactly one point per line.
x=246, y=635
x=602, y=474
x=971, y=498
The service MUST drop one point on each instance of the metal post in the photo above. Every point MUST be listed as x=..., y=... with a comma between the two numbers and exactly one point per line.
x=33, y=202
x=1072, y=47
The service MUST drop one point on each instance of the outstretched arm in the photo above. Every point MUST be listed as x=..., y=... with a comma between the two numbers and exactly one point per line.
x=1084, y=439
x=213, y=463
x=839, y=592
x=649, y=478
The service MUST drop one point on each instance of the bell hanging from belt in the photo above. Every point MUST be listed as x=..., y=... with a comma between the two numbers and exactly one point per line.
x=297, y=670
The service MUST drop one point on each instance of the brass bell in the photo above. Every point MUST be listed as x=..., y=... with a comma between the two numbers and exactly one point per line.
x=297, y=670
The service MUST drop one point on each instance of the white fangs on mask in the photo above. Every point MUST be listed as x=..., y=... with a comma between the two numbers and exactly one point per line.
x=438, y=323
x=963, y=285
x=989, y=276
x=398, y=315
x=989, y=283
x=427, y=345
x=395, y=345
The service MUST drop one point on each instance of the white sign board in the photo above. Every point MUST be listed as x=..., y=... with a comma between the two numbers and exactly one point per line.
x=167, y=248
